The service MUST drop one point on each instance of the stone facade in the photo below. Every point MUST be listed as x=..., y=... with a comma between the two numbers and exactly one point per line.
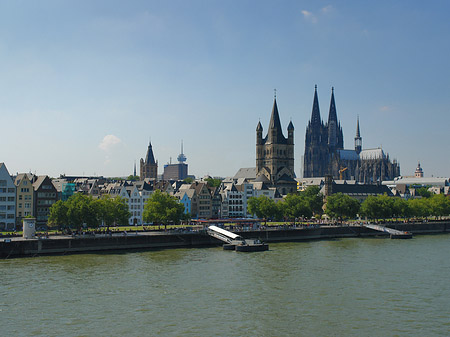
x=275, y=155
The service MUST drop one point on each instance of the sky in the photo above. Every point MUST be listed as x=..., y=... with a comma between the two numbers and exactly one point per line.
x=85, y=85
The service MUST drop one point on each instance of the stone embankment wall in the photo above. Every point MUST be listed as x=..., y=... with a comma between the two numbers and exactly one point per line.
x=64, y=245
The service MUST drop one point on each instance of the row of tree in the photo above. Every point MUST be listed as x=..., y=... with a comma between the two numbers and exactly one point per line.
x=340, y=206
x=82, y=210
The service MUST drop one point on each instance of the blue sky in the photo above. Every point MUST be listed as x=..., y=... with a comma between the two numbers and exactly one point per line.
x=85, y=85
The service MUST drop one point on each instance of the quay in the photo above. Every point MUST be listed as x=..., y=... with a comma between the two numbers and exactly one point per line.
x=60, y=244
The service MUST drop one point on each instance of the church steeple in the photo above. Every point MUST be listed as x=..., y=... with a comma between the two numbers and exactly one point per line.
x=149, y=158
x=332, y=116
x=315, y=115
x=358, y=139
x=274, y=133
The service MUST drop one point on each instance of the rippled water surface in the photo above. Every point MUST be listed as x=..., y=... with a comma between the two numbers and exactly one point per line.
x=348, y=287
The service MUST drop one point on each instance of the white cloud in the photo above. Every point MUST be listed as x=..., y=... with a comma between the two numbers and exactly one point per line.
x=327, y=9
x=108, y=142
x=309, y=16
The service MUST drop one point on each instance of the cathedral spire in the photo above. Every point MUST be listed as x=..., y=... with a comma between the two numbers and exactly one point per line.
x=358, y=139
x=358, y=133
x=315, y=115
x=332, y=116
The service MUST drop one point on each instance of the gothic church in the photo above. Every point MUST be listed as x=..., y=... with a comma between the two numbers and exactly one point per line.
x=325, y=153
x=275, y=155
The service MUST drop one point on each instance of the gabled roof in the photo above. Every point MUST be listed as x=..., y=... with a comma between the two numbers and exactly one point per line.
x=372, y=154
x=348, y=154
x=39, y=181
x=22, y=176
x=262, y=178
x=247, y=173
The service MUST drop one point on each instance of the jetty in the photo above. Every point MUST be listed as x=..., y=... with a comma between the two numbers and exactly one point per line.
x=236, y=242
x=393, y=233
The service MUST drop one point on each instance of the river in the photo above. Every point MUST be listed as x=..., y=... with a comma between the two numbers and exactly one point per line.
x=345, y=287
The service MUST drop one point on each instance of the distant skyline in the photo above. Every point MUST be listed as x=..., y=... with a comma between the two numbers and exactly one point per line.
x=85, y=85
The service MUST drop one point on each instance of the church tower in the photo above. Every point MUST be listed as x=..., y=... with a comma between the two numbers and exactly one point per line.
x=275, y=154
x=315, y=162
x=149, y=167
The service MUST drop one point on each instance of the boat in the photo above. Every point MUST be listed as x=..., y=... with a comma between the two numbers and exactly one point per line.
x=252, y=245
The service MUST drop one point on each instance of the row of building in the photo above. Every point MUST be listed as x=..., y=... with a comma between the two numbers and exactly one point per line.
x=30, y=195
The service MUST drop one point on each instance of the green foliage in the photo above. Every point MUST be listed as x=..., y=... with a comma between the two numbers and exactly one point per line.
x=342, y=206
x=264, y=207
x=423, y=192
x=439, y=205
x=296, y=205
x=188, y=180
x=112, y=211
x=81, y=210
x=213, y=182
x=58, y=214
x=314, y=198
x=380, y=206
x=163, y=208
x=133, y=178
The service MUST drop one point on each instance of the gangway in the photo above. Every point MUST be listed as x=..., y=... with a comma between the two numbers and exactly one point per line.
x=394, y=233
x=223, y=235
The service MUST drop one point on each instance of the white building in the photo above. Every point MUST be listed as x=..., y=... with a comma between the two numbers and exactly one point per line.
x=7, y=200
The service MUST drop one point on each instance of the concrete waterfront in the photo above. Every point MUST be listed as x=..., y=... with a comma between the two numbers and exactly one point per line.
x=61, y=244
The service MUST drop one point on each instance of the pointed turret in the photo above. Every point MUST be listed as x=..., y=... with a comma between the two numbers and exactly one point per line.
x=315, y=115
x=290, y=126
x=358, y=139
x=149, y=158
x=335, y=137
x=259, y=126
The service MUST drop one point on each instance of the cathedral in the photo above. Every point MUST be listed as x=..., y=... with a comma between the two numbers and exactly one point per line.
x=275, y=155
x=325, y=153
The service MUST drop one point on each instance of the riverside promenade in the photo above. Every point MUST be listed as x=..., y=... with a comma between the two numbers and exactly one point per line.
x=67, y=244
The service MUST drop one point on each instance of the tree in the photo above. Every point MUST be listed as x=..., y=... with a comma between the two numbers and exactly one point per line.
x=295, y=206
x=439, y=205
x=80, y=210
x=58, y=214
x=162, y=208
x=419, y=207
x=264, y=207
x=423, y=192
x=112, y=211
x=213, y=182
x=133, y=178
x=341, y=206
x=188, y=180
x=314, y=198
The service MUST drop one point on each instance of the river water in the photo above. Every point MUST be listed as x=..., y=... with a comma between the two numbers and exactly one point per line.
x=345, y=287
